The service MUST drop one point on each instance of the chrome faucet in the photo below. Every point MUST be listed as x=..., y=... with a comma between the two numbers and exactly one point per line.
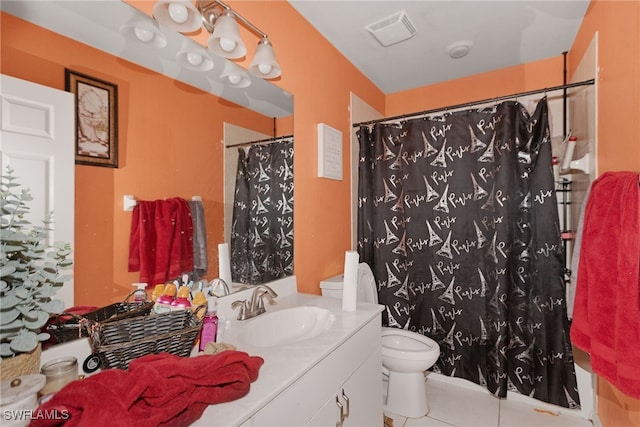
x=255, y=306
x=218, y=282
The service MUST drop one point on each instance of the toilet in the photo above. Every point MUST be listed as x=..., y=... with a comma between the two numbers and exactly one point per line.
x=406, y=355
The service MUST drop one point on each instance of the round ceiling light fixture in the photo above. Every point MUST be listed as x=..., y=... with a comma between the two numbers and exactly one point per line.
x=459, y=49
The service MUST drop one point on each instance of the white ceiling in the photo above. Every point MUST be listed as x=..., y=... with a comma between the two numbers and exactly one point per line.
x=504, y=33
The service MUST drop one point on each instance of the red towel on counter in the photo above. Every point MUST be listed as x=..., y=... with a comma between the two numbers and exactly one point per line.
x=161, y=240
x=157, y=390
x=606, y=320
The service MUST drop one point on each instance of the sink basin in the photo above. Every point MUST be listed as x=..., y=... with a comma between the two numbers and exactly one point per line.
x=285, y=326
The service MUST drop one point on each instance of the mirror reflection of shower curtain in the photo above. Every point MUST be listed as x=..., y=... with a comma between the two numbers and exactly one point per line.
x=458, y=220
x=262, y=227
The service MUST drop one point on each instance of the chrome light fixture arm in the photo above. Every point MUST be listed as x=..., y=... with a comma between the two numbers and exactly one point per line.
x=222, y=22
x=210, y=10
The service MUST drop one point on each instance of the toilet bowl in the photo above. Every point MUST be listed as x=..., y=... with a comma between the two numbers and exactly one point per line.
x=405, y=351
x=406, y=355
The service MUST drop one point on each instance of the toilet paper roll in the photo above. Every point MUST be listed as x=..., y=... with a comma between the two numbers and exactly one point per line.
x=224, y=263
x=350, y=285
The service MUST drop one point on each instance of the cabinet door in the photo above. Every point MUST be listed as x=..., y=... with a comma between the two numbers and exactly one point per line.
x=364, y=391
x=327, y=416
x=360, y=397
x=300, y=402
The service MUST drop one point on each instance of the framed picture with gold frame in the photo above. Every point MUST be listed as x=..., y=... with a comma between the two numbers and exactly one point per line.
x=96, y=115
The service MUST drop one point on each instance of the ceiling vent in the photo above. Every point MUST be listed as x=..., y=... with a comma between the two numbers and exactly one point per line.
x=392, y=29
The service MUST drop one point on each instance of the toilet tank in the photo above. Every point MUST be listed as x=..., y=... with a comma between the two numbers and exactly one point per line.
x=332, y=287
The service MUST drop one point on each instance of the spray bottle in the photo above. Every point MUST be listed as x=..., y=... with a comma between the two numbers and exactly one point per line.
x=182, y=299
x=163, y=303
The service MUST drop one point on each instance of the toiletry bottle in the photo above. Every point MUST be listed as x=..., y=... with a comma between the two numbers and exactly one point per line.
x=223, y=324
x=556, y=168
x=140, y=294
x=182, y=300
x=198, y=300
x=157, y=292
x=163, y=303
x=209, y=324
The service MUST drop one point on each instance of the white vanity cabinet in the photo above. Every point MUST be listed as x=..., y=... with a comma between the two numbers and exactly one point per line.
x=351, y=376
x=358, y=402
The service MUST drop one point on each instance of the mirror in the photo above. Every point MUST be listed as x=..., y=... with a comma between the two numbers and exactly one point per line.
x=258, y=214
x=97, y=24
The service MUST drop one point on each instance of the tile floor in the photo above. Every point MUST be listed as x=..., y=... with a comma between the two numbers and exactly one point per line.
x=452, y=405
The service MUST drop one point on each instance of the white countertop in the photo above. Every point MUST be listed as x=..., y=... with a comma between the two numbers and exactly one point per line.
x=284, y=364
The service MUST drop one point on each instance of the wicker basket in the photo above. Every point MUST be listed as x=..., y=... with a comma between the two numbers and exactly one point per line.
x=22, y=364
x=118, y=343
x=65, y=327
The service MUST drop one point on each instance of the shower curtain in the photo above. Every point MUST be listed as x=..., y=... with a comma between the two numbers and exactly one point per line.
x=262, y=225
x=458, y=219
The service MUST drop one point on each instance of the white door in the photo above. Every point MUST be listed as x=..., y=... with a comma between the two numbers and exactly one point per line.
x=37, y=141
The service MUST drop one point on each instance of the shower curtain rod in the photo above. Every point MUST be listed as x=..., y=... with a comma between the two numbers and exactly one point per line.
x=260, y=141
x=469, y=104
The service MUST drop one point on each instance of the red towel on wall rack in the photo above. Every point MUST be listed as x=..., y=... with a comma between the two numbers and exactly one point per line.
x=606, y=320
x=161, y=240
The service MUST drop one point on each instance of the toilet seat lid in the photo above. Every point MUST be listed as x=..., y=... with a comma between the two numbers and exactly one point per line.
x=367, y=289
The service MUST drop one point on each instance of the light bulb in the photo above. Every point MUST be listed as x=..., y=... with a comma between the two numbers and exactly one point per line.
x=227, y=44
x=234, y=79
x=194, y=59
x=143, y=35
x=178, y=13
x=265, y=68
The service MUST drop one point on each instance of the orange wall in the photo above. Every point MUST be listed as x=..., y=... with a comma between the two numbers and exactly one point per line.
x=161, y=153
x=503, y=82
x=618, y=26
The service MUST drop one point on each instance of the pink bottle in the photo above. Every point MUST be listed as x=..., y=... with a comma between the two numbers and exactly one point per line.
x=182, y=301
x=163, y=303
x=209, y=324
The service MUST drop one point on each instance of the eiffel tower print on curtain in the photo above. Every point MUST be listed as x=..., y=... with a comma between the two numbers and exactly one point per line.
x=449, y=222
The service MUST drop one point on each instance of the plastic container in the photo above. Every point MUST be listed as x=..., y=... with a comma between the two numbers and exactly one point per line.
x=182, y=300
x=209, y=324
x=556, y=168
x=198, y=299
x=163, y=303
x=140, y=295
x=157, y=292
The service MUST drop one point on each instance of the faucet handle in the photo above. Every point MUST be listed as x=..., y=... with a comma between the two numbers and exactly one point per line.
x=242, y=314
x=262, y=293
x=269, y=298
x=219, y=283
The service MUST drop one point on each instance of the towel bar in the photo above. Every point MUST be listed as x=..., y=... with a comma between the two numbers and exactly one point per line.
x=130, y=201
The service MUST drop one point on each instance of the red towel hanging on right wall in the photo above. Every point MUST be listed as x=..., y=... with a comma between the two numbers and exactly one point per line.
x=606, y=318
